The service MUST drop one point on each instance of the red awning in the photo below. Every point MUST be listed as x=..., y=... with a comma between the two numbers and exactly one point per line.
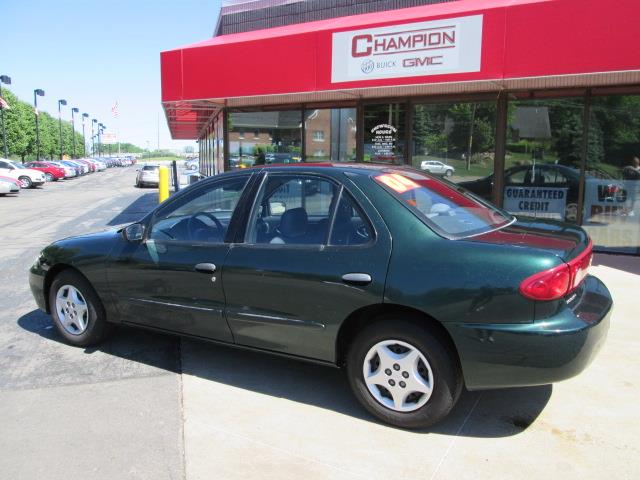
x=457, y=47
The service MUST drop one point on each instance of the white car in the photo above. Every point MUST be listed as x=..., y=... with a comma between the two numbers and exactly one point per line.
x=8, y=186
x=68, y=171
x=28, y=178
x=148, y=175
x=437, y=168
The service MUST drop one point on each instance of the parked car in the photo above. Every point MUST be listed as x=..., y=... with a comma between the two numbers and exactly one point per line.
x=148, y=176
x=551, y=175
x=79, y=169
x=90, y=166
x=69, y=170
x=84, y=167
x=28, y=177
x=52, y=173
x=437, y=168
x=271, y=158
x=192, y=164
x=9, y=185
x=413, y=286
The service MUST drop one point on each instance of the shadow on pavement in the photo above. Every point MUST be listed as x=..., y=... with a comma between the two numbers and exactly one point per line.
x=488, y=414
x=625, y=263
x=149, y=348
x=136, y=210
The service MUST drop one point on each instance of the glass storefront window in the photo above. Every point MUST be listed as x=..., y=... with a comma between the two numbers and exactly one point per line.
x=330, y=134
x=542, y=161
x=611, y=212
x=274, y=137
x=456, y=140
x=384, y=133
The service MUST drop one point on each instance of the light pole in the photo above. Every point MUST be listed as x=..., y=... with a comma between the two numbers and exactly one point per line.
x=93, y=141
x=73, y=130
x=60, y=102
x=7, y=80
x=38, y=92
x=84, y=140
x=100, y=128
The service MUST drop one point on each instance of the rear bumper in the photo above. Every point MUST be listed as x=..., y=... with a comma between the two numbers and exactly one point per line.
x=537, y=353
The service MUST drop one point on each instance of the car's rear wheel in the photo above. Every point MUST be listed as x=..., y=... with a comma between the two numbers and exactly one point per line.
x=404, y=373
x=49, y=177
x=25, y=182
x=77, y=312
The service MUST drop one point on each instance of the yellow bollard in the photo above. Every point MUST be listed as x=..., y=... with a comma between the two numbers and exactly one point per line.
x=163, y=184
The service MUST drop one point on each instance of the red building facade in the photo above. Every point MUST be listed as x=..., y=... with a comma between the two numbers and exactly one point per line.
x=532, y=104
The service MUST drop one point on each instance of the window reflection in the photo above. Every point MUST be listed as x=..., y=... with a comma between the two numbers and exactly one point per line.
x=259, y=138
x=330, y=135
x=611, y=212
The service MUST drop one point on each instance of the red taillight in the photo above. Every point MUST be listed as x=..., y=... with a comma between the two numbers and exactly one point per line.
x=558, y=281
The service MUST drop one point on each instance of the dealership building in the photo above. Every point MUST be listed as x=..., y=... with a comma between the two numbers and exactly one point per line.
x=531, y=104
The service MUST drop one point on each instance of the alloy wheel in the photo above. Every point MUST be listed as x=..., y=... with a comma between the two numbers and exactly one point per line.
x=72, y=309
x=398, y=375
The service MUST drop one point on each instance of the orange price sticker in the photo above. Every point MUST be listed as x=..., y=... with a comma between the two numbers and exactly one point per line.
x=397, y=182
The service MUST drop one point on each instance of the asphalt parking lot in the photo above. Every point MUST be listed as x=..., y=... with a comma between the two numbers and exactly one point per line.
x=148, y=406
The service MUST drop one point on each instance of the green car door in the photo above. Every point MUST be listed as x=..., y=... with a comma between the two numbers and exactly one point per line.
x=171, y=280
x=314, y=251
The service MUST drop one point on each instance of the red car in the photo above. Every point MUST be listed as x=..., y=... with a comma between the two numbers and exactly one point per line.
x=52, y=172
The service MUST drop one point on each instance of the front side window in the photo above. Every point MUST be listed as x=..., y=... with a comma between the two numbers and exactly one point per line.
x=202, y=217
x=449, y=211
x=292, y=210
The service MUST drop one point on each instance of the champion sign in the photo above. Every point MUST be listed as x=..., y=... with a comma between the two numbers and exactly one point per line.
x=414, y=49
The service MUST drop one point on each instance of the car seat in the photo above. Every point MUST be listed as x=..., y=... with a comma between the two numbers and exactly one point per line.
x=293, y=227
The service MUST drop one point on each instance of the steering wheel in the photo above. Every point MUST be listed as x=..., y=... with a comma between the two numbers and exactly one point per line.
x=192, y=223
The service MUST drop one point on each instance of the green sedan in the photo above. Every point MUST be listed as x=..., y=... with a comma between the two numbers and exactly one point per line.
x=415, y=287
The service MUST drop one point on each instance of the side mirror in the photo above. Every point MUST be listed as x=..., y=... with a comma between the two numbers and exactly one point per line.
x=134, y=232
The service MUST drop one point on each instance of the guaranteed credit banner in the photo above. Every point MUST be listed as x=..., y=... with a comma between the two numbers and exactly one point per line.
x=451, y=45
x=536, y=201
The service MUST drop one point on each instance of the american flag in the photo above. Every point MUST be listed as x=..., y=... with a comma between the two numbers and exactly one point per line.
x=114, y=110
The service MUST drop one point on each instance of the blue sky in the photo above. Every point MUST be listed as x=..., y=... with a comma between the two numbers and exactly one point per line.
x=96, y=53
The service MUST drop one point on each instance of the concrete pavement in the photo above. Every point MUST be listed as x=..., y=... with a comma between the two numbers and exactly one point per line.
x=152, y=406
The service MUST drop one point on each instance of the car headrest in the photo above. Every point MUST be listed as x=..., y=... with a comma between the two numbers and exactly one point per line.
x=294, y=222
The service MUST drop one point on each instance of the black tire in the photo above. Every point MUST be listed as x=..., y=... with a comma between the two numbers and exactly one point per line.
x=448, y=173
x=26, y=182
x=49, y=177
x=443, y=361
x=97, y=326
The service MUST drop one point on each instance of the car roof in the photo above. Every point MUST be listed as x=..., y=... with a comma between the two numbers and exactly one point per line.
x=357, y=168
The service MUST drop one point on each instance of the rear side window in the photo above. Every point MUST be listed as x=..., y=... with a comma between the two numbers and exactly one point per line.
x=150, y=167
x=449, y=211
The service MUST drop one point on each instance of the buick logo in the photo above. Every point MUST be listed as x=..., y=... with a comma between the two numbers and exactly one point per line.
x=367, y=66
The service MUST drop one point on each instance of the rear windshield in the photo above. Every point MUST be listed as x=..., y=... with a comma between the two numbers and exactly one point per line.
x=150, y=167
x=450, y=211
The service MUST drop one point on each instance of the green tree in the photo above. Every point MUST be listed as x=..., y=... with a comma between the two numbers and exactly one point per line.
x=19, y=126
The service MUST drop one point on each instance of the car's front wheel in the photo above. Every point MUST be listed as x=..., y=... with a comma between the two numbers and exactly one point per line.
x=404, y=373
x=25, y=182
x=448, y=173
x=77, y=311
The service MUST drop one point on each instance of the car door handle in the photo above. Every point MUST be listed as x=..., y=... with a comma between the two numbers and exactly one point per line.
x=205, y=268
x=357, y=278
